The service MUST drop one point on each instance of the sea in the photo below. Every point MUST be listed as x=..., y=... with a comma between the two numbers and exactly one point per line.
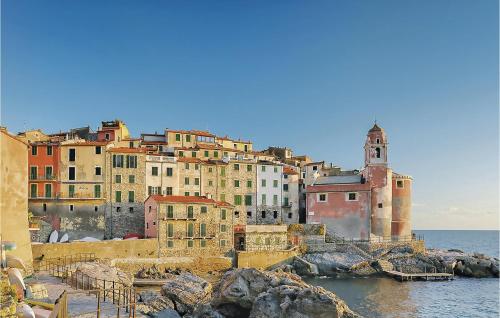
x=462, y=297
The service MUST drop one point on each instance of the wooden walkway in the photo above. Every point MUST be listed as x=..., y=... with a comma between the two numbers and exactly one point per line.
x=419, y=276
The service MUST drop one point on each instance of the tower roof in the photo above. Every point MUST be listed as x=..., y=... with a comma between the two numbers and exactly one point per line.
x=375, y=128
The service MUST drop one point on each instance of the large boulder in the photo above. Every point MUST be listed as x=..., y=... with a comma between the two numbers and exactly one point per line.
x=253, y=293
x=304, y=268
x=187, y=291
x=98, y=272
x=330, y=264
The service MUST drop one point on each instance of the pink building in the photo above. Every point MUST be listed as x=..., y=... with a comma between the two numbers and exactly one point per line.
x=372, y=204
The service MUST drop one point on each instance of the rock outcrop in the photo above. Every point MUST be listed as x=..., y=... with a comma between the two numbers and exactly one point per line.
x=331, y=264
x=252, y=293
x=99, y=272
x=187, y=291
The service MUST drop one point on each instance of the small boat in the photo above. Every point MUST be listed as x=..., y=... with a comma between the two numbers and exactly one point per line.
x=24, y=311
x=88, y=239
x=15, y=262
x=53, y=237
x=15, y=277
x=132, y=236
x=64, y=238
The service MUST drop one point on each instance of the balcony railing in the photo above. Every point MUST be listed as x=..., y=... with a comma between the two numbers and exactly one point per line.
x=42, y=177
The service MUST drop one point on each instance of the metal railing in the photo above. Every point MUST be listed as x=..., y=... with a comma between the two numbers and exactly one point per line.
x=52, y=265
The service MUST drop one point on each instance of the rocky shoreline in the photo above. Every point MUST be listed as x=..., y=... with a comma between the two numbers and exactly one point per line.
x=355, y=263
x=242, y=293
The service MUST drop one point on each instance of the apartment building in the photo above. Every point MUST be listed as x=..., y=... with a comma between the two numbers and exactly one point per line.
x=162, y=176
x=290, y=207
x=269, y=193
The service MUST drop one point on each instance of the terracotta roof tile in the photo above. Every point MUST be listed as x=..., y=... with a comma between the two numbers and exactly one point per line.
x=288, y=170
x=127, y=150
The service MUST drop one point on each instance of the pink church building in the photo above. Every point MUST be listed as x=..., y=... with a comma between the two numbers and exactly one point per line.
x=372, y=204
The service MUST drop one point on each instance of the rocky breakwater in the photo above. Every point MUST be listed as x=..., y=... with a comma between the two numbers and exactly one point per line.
x=243, y=293
x=352, y=262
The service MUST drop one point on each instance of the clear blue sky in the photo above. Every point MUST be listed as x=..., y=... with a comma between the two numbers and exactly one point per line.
x=311, y=75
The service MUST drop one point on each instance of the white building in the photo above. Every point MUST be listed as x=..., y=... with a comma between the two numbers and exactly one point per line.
x=162, y=176
x=269, y=192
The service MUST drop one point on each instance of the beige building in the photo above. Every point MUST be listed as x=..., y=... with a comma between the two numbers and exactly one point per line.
x=14, y=195
x=189, y=226
x=188, y=138
x=189, y=171
x=126, y=183
x=261, y=237
x=162, y=175
x=229, y=143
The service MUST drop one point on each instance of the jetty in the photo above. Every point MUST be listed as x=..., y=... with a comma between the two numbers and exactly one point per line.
x=419, y=276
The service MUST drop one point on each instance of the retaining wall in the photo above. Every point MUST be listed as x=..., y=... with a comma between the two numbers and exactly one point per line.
x=265, y=259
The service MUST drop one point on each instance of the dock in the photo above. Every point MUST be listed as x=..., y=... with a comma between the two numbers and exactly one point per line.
x=419, y=276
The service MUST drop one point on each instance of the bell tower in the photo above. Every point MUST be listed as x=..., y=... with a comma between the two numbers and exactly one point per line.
x=379, y=175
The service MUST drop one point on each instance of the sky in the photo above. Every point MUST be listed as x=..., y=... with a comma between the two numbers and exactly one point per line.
x=310, y=75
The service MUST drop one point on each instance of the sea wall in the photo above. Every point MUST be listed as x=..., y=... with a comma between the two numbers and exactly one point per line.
x=197, y=264
x=265, y=259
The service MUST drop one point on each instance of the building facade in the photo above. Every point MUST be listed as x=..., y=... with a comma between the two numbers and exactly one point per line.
x=269, y=193
x=290, y=209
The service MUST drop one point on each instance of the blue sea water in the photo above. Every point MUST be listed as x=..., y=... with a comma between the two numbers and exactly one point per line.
x=462, y=297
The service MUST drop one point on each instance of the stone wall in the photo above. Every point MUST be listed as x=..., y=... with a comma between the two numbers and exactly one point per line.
x=418, y=246
x=197, y=264
x=264, y=259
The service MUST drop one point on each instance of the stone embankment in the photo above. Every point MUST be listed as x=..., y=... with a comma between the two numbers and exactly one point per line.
x=350, y=262
x=243, y=293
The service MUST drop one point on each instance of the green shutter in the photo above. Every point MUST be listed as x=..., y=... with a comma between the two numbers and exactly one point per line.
x=170, y=211
x=118, y=196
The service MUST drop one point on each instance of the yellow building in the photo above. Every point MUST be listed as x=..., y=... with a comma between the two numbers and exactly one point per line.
x=114, y=130
x=188, y=138
x=14, y=195
x=126, y=183
x=241, y=145
x=189, y=172
x=189, y=226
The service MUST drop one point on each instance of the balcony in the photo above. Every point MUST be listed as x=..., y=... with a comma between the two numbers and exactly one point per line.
x=46, y=177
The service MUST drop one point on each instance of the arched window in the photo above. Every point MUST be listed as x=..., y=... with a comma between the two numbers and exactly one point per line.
x=378, y=152
x=378, y=140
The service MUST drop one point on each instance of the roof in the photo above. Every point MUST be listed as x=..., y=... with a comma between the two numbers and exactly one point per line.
x=375, y=128
x=186, y=199
x=349, y=179
x=288, y=170
x=187, y=159
x=315, y=163
x=192, y=132
x=127, y=150
x=401, y=176
x=83, y=143
x=4, y=130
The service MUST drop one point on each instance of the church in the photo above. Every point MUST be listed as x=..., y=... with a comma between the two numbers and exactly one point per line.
x=372, y=204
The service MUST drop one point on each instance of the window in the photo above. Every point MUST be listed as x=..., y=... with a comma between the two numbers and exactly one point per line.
x=203, y=209
x=154, y=171
x=275, y=199
x=196, y=194
x=315, y=168
x=263, y=182
x=186, y=181
x=150, y=190
x=235, y=146
x=48, y=190
x=169, y=191
x=223, y=228
x=206, y=153
x=118, y=178
x=186, y=166
x=97, y=191
x=181, y=154
x=170, y=211
x=275, y=214
x=186, y=193
x=237, y=214
x=49, y=150
x=210, y=169
x=275, y=169
x=170, y=230
x=378, y=140
x=170, y=172
x=263, y=199
x=210, y=183
x=222, y=243
x=196, y=181
x=225, y=154
x=289, y=215
x=193, y=154
x=131, y=196
x=263, y=168
x=249, y=183
x=48, y=172
x=400, y=184
x=190, y=230
x=34, y=150
x=33, y=190
x=98, y=171
x=196, y=166
x=223, y=215
x=170, y=243
x=190, y=243
x=268, y=241
x=249, y=214
x=71, y=190
x=216, y=154
x=177, y=137
x=236, y=167
x=107, y=136
x=275, y=183
x=322, y=197
x=131, y=144
x=117, y=161
x=223, y=183
x=45, y=206
x=97, y=150
x=71, y=207
x=237, y=199
x=263, y=214
x=223, y=197
x=377, y=150
x=249, y=168
x=118, y=209
x=352, y=196
x=236, y=183
x=285, y=176
x=118, y=196
x=203, y=230
x=131, y=178
x=380, y=205
x=72, y=154
x=96, y=208
x=203, y=243
x=33, y=172
x=132, y=162
x=285, y=201
x=188, y=138
x=71, y=173
x=222, y=171
x=248, y=200
x=285, y=187
x=147, y=225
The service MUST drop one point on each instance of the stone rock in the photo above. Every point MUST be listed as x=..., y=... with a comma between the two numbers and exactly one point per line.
x=166, y=313
x=187, y=291
x=154, y=305
x=330, y=264
x=205, y=311
x=252, y=293
x=382, y=265
x=99, y=272
x=304, y=268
